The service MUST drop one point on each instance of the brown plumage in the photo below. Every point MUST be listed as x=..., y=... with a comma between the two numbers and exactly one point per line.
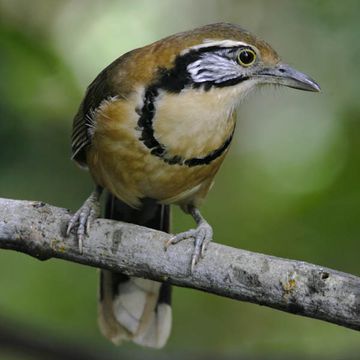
x=119, y=162
x=153, y=129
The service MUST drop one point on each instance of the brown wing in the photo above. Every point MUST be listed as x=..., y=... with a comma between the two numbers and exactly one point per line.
x=109, y=83
x=83, y=124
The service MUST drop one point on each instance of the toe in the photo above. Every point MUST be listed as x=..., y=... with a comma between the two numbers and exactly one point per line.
x=179, y=237
x=193, y=264
x=199, y=241
x=83, y=218
x=74, y=219
x=202, y=236
x=205, y=244
x=80, y=243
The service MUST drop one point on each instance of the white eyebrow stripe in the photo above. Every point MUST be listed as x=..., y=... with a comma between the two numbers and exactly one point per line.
x=212, y=42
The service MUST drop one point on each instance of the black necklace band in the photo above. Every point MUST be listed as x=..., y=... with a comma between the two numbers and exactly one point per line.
x=145, y=123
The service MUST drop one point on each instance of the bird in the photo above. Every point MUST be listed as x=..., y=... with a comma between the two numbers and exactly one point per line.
x=153, y=130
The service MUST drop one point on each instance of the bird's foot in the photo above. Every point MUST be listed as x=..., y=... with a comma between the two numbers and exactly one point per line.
x=84, y=217
x=202, y=236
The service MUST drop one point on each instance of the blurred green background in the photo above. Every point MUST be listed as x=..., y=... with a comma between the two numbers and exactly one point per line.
x=290, y=186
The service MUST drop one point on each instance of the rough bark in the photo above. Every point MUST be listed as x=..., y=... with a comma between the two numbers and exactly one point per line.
x=293, y=286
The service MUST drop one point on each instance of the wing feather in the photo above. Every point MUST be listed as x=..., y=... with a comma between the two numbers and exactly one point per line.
x=110, y=83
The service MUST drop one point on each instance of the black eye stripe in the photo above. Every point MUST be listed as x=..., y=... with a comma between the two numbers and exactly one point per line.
x=178, y=76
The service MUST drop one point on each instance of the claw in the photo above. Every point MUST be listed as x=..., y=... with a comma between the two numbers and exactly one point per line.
x=71, y=224
x=84, y=217
x=179, y=237
x=205, y=244
x=193, y=263
x=202, y=236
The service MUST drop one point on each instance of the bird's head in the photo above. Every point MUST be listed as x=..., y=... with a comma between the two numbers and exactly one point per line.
x=225, y=55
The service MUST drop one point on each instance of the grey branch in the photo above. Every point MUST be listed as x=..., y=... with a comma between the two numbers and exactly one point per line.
x=38, y=229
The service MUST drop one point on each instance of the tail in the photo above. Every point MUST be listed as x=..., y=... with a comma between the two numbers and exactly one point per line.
x=132, y=308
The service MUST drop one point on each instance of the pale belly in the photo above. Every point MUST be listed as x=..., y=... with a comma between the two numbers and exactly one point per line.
x=133, y=173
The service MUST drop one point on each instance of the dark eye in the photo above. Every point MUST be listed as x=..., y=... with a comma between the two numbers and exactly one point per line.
x=246, y=57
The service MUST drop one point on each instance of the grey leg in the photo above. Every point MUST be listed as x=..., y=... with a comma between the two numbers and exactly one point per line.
x=83, y=218
x=202, y=235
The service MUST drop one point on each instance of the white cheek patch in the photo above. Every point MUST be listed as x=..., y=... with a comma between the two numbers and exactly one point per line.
x=213, y=67
x=218, y=65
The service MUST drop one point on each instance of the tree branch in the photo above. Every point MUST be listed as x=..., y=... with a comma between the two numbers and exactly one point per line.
x=38, y=229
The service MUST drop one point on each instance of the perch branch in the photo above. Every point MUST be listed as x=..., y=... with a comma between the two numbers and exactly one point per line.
x=296, y=287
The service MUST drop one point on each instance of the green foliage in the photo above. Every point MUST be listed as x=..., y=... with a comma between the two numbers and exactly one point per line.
x=290, y=186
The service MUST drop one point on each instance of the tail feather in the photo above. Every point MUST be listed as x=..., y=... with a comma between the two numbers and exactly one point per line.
x=133, y=308
x=159, y=324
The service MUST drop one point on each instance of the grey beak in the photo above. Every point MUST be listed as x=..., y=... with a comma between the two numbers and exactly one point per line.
x=283, y=74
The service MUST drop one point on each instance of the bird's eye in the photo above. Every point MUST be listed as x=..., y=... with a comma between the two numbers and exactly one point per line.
x=246, y=57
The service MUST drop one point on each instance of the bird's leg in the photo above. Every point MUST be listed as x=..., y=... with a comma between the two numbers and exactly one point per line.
x=202, y=235
x=83, y=218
